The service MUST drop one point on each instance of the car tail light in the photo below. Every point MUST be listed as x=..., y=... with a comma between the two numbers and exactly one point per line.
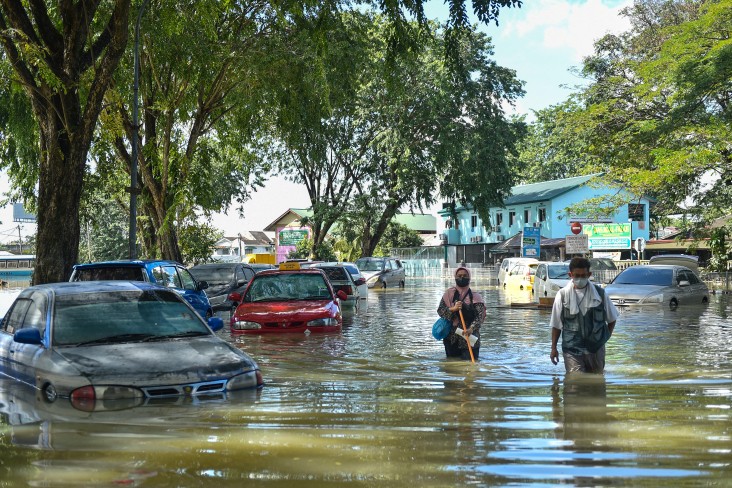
x=347, y=289
x=84, y=398
x=260, y=380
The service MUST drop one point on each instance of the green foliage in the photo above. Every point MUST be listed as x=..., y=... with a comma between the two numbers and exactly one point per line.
x=658, y=109
x=104, y=224
x=197, y=241
x=306, y=249
x=397, y=236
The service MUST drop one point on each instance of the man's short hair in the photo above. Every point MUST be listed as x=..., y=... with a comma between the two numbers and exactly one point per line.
x=579, y=263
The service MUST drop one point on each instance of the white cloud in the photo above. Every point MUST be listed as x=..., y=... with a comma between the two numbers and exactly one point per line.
x=560, y=24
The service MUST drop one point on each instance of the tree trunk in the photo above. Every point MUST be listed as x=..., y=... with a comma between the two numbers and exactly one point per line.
x=371, y=237
x=59, y=193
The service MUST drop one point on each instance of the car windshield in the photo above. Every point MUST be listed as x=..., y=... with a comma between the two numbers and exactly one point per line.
x=288, y=286
x=641, y=275
x=351, y=269
x=219, y=275
x=123, y=316
x=116, y=273
x=370, y=264
x=558, y=272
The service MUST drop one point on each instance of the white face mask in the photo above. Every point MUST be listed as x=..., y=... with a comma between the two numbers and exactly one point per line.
x=580, y=282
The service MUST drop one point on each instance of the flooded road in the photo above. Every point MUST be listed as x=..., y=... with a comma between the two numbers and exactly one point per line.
x=379, y=404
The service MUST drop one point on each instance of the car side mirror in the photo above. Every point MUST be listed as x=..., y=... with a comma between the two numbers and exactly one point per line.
x=234, y=297
x=684, y=283
x=342, y=295
x=215, y=323
x=359, y=282
x=202, y=285
x=241, y=283
x=28, y=336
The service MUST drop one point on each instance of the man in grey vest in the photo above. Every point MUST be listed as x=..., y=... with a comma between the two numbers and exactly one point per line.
x=585, y=318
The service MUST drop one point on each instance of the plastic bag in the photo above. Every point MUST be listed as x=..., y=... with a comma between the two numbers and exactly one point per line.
x=441, y=328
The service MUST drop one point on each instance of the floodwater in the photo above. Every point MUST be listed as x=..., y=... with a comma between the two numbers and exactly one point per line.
x=379, y=405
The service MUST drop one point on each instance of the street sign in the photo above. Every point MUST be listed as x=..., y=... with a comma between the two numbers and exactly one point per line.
x=531, y=242
x=576, y=228
x=577, y=244
x=640, y=244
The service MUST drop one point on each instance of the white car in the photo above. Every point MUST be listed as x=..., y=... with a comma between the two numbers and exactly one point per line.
x=358, y=278
x=550, y=278
x=508, y=264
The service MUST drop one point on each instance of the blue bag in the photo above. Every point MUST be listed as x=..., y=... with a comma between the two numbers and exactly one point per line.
x=441, y=328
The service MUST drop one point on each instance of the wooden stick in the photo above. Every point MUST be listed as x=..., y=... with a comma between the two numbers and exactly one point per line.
x=467, y=337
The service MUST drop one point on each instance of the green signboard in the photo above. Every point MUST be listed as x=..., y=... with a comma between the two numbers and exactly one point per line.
x=292, y=237
x=608, y=236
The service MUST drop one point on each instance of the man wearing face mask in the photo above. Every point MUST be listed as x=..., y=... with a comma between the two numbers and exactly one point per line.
x=585, y=318
x=461, y=298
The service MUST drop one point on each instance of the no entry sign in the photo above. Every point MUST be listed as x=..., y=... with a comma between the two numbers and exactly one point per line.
x=576, y=228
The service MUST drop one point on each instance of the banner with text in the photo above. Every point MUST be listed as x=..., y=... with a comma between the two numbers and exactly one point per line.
x=608, y=236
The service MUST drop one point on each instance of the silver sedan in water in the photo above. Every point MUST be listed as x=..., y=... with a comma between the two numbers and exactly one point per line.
x=94, y=342
x=655, y=285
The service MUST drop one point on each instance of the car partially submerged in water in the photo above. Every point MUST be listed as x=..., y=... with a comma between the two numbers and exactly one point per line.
x=288, y=300
x=657, y=285
x=117, y=340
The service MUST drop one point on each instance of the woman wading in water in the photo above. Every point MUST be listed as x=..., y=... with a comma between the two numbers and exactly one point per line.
x=456, y=298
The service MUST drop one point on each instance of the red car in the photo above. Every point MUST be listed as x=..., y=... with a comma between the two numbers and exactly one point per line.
x=278, y=301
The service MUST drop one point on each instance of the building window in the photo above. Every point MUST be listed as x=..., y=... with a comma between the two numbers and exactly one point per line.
x=542, y=215
x=527, y=216
x=511, y=218
x=636, y=212
x=473, y=222
x=499, y=218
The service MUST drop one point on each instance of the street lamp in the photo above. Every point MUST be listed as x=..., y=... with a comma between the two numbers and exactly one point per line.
x=135, y=133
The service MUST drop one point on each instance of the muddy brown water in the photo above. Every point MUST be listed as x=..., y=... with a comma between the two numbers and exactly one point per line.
x=379, y=405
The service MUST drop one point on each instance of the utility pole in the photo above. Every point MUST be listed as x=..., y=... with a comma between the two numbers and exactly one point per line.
x=20, y=242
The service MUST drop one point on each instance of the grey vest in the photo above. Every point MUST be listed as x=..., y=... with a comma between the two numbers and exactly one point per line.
x=585, y=334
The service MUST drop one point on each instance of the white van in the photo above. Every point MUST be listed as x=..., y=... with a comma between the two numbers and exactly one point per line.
x=550, y=278
x=508, y=263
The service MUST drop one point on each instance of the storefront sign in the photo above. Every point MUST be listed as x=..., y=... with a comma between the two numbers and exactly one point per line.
x=608, y=236
x=291, y=237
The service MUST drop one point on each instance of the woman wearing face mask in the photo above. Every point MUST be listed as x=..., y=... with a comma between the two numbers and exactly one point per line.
x=457, y=298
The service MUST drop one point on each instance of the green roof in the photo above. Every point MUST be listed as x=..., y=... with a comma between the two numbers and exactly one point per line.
x=545, y=190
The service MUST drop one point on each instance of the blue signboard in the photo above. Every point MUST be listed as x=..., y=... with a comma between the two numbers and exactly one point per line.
x=531, y=242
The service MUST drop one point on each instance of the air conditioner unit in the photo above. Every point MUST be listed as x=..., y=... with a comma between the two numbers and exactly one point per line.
x=500, y=238
x=537, y=224
x=497, y=228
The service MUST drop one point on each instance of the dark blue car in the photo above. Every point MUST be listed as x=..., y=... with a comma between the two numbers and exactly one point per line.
x=169, y=274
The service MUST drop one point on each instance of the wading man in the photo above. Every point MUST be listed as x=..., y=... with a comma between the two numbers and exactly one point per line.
x=584, y=317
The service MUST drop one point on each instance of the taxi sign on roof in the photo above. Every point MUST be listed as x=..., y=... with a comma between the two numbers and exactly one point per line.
x=289, y=266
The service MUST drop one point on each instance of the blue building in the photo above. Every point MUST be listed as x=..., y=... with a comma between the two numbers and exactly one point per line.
x=546, y=205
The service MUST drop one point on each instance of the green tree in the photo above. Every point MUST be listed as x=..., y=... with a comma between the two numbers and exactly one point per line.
x=197, y=241
x=397, y=236
x=64, y=56
x=658, y=107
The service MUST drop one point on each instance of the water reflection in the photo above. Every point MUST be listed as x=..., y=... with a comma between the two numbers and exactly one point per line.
x=378, y=403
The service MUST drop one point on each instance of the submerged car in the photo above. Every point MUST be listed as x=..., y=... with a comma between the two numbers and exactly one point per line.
x=508, y=264
x=550, y=278
x=117, y=341
x=358, y=278
x=381, y=272
x=657, y=284
x=341, y=280
x=521, y=276
x=169, y=274
x=296, y=300
x=223, y=279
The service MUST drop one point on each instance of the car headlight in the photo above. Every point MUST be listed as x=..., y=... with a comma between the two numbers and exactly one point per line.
x=217, y=300
x=245, y=325
x=250, y=379
x=329, y=322
x=373, y=279
x=657, y=298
